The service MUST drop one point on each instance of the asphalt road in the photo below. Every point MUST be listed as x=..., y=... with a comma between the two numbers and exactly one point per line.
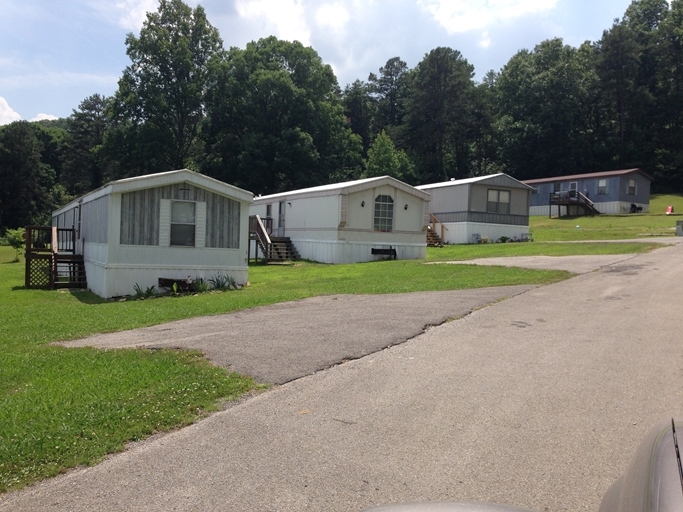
x=536, y=401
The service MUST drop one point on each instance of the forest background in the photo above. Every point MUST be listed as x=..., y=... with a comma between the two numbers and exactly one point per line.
x=272, y=117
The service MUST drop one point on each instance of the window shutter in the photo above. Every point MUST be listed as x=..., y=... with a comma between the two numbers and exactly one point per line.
x=200, y=226
x=165, y=223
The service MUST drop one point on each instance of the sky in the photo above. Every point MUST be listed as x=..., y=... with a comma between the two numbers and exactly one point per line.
x=56, y=53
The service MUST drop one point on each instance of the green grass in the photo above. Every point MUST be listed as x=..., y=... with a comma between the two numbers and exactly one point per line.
x=612, y=227
x=60, y=408
x=470, y=252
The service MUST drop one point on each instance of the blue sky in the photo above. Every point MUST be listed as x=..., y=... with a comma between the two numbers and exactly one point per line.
x=55, y=53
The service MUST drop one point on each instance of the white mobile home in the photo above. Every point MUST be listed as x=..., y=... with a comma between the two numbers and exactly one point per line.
x=348, y=222
x=490, y=207
x=172, y=225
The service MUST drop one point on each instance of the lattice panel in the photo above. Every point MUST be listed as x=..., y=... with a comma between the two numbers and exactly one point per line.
x=39, y=273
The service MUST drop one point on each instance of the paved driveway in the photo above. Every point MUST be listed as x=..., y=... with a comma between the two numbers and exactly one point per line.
x=536, y=401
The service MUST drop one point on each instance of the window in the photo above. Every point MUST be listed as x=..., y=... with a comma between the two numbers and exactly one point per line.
x=183, y=221
x=602, y=187
x=632, y=187
x=557, y=187
x=269, y=210
x=384, y=213
x=498, y=201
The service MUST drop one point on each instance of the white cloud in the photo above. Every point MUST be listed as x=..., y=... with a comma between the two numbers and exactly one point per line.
x=284, y=19
x=128, y=14
x=485, y=40
x=332, y=17
x=132, y=13
x=458, y=16
x=43, y=117
x=7, y=115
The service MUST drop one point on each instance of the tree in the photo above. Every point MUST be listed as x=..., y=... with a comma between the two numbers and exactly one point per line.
x=28, y=193
x=385, y=160
x=275, y=120
x=360, y=109
x=15, y=237
x=618, y=66
x=165, y=87
x=546, y=99
x=438, y=110
x=390, y=88
x=84, y=169
x=669, y=155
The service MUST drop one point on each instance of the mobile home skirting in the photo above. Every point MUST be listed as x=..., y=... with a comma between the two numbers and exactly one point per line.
x=461, y=232
x=342, y=251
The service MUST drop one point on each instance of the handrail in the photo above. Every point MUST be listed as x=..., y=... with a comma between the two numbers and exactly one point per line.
x=258, y=229
x=433, y=219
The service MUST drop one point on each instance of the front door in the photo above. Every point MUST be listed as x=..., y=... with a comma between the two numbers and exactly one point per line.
x=281, y=219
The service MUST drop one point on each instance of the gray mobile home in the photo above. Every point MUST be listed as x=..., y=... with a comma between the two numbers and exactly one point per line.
x=471, y=209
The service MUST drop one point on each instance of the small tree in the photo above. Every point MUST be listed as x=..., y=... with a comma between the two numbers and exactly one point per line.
x=16, y=239
x=385, y=160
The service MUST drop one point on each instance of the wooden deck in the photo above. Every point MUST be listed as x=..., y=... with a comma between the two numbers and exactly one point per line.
x=574, y=203
x=51, y=259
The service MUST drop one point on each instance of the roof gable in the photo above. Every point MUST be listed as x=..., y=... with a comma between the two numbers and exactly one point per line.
x=500, y=179
x=160, y=179
x=343, y=188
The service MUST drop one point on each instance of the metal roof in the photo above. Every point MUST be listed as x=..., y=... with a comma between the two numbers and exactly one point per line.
x=345, y=187
x=604, y=174
x=466, y=181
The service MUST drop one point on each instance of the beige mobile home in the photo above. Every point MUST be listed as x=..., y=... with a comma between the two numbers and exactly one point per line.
x=472, y=209
x=350, y=222
x=171, y=225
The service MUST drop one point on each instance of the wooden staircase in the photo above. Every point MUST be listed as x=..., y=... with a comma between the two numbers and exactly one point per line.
x=70, y=271
x=575, y=203
x=435, y=231
x=433, y=240
x=281, y=249
x=274, y=249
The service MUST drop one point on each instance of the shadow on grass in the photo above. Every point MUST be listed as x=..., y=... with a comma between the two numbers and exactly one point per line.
x=87, y=297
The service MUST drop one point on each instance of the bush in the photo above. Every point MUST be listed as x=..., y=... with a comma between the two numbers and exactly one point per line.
x=15, y=238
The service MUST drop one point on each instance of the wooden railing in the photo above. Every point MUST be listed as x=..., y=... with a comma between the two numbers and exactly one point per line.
x=572, y=197
x=259, y=230
x=43, y=245
x=434, y=222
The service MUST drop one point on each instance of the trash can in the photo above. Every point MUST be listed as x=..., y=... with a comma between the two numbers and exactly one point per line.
x=679, y=228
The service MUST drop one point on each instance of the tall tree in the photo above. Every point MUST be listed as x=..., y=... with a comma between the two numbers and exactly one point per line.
x=438, y=115
x=275, y=120
x=360, y=109
x=84, y=169
x=546, y=98
x=165, y=87
x=390, y=88
x=668, y=167
x=618, y=67
x=28, y=193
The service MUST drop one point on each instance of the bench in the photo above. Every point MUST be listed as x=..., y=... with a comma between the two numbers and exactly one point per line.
x=391, y=252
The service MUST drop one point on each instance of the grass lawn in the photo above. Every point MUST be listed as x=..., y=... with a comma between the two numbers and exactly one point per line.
x=611, y=227
x=60, y=408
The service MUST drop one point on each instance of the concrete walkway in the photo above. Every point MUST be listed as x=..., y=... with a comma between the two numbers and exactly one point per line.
x=536, y=401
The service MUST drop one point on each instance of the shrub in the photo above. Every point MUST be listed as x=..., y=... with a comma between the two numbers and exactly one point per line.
x=15, y=237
